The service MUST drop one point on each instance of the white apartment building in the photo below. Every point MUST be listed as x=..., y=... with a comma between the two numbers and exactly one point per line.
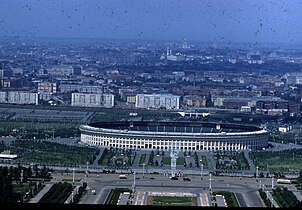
x=157, y=101
x=80, y=88
x=60, y=70
x=3, y=97
x=16, y=97
x=92, y=100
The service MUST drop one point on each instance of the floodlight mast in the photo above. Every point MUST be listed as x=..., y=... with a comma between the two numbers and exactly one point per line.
x=143, y=170
x=201, y=169
x=133, y=186
x=73, y=176
x=174, y=156
x=210, y=184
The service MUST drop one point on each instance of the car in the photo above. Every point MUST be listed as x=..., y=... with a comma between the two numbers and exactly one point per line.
x=151, y=178
x=174, y=178
x=122, y=177
x=186, y=179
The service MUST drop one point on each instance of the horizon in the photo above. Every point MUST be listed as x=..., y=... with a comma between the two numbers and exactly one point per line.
x=229, y=21
x=191, y=43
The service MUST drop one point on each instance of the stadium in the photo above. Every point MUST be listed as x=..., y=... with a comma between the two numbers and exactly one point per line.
x=195, y=136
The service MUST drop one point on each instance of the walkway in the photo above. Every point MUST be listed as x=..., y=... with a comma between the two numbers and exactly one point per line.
x=37, y=198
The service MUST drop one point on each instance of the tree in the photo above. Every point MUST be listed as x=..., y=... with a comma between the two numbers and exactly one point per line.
x=299, y=179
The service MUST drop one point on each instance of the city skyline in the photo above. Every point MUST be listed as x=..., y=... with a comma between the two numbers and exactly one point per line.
x=210, y=21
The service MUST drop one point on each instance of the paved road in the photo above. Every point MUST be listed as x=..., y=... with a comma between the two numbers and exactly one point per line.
x=280, y=147
x=240, y=200
x=247, y=187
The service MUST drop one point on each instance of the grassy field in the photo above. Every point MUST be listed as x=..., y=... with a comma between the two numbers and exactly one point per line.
x=117, y=158
x=229, y=198
x=287, y=160
x=39, y=130
x=44, y=152
x=114, y=194
x=172, y=201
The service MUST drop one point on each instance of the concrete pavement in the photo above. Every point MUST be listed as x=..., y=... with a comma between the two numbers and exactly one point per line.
x=37, y=198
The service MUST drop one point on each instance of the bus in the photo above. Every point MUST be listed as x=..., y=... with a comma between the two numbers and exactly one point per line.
x=283, y=181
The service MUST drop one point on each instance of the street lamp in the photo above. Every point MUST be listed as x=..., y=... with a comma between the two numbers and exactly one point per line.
x=267, y=193
x=210, y=186
x=73, y=176
x=86, y=173
x=201, y=169
x=143, y=170
x=134, y=182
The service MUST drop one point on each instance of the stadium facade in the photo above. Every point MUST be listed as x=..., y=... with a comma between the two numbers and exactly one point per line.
x=194, y=136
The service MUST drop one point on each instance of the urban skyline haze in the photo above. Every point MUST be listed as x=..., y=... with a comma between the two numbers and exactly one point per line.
x=199, y=20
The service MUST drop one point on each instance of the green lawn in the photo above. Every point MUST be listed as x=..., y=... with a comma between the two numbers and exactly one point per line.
x=180, y=161
x=166, y=160
x=172, y=201
x=279, y=161
x=44, y=152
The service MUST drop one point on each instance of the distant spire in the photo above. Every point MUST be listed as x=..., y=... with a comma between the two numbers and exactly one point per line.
x=185, y=44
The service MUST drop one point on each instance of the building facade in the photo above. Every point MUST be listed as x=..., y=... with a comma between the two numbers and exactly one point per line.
x=49, y=87
x=179, y=135
x=157, y=101
x=92, y=100
x=17, y=97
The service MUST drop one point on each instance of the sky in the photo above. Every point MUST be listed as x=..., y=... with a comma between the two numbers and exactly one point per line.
x=259, y=21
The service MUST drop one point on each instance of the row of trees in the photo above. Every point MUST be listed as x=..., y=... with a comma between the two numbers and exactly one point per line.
x=264, y=197
x=299, y=181
x=7, y=194
x=31, y=172
x=82, y=189
x=231, y=160
x=58, y=193
x=285, y=198
x=196, y=159
x=114, y=195
x=23, y=178
x=229, y=198
x=117, y=157
x=151, y=158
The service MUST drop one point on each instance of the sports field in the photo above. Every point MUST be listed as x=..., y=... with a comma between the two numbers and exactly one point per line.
x=158, y=200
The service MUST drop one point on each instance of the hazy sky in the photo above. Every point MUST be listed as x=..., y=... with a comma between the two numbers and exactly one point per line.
x=204, y=20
